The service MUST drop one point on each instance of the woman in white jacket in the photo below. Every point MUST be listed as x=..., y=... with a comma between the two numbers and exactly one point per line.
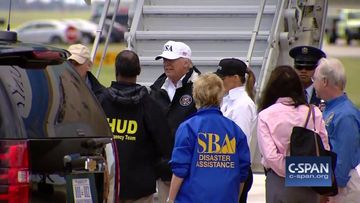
x=238, y=104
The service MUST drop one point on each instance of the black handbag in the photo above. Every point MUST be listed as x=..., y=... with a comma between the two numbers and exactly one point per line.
x=306, y=142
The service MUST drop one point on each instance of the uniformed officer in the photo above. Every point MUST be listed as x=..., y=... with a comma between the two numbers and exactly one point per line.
x=305, y=61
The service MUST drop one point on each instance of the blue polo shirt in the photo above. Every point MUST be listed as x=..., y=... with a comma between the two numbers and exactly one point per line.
x=212, y=155
x=342, y=120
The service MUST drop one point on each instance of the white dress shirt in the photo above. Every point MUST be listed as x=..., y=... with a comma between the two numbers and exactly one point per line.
x=309, y=92
x=239, y=107
x=170, y=88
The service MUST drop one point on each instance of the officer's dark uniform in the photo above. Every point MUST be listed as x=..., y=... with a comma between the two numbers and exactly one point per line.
x=307, y=57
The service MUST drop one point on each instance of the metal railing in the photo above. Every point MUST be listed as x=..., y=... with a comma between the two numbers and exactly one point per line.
x=99, y=32
x=255, y=31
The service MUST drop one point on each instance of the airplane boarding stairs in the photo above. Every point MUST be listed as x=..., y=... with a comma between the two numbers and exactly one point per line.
x=260, y=32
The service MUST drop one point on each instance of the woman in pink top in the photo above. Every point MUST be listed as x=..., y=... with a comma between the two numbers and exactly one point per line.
x=282, y=107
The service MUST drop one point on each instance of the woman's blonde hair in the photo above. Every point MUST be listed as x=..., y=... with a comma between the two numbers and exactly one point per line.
x=208, y=90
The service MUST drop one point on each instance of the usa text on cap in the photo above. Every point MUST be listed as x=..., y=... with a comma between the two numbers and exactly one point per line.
x=174, y=50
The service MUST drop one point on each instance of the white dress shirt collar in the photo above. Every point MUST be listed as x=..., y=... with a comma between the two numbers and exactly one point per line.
x=235, y=93
x=170, y=88
x=309, y=92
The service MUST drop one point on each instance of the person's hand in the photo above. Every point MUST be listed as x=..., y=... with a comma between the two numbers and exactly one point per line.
x=324, y=199
x=169, y=200
x=341, y=190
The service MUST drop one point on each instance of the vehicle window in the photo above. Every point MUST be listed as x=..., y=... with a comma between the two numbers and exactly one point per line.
x=354, y=16
x=342, y=16
x=45, y=26
x=28, y=27
x=10, y=125
x=56, y=102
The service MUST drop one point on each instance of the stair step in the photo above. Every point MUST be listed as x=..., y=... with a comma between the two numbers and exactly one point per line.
x=199, y=35
x=152, y=69
x=201, y=10
x=176, y=18
x=207, y=2
x=203, y=23
x=204, y=48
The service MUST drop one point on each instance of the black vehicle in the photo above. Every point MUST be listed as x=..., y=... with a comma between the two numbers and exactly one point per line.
x=55, y=142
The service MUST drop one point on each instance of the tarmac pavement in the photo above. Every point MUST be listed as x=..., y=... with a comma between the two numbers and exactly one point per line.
x=257, y=191
x=341, y=49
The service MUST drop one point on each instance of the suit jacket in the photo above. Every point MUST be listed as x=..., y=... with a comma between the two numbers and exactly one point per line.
x=314, y=100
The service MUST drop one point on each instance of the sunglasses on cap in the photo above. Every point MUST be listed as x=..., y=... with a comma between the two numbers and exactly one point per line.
x=305, y=67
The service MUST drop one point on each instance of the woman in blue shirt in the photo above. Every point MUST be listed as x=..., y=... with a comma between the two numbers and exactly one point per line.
x=211, y=156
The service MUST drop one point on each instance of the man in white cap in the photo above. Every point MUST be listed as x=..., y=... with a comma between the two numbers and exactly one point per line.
x=173, y=91
x=80, y=59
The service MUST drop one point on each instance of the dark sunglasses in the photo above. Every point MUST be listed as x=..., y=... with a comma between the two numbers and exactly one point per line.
x=305, y=67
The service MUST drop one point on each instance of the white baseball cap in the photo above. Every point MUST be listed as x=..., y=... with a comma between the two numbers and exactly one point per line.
x=174, y=50
x=79, y=53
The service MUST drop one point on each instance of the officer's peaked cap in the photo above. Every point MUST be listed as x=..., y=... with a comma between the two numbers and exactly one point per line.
x=306, y=55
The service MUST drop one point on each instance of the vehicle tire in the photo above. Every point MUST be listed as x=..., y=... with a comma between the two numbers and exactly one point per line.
x=56, y=40
x=332, y=38
x=348, y=38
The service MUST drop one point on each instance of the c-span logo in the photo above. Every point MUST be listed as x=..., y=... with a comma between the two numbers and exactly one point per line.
x=308, y=171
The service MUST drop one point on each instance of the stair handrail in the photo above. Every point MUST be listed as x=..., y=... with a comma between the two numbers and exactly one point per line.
x=107, y=38
x=255, y=32
x=270, y=57
x=100, y=29
x=135, y=23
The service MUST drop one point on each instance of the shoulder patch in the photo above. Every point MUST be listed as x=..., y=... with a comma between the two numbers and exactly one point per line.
x=185, y=100
x=329, y=118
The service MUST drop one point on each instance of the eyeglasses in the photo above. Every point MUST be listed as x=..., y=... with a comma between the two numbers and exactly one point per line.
x=313, y=78
x=305, y=67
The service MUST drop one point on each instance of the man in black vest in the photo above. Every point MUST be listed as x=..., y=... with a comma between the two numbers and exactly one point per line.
x=305, y=61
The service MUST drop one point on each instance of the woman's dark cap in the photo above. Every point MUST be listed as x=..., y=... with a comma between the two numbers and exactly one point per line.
x=231, y=66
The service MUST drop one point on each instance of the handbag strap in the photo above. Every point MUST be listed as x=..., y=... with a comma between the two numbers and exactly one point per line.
x=316, y=145
x=308, y=116
x=313, y=115
x=311, y=109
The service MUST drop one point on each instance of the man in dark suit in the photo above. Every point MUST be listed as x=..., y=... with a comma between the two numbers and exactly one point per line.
x=305, y=61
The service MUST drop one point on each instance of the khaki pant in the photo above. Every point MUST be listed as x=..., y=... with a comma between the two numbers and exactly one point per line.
x=147, y=199
x=351, y=192
x=163, y=190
